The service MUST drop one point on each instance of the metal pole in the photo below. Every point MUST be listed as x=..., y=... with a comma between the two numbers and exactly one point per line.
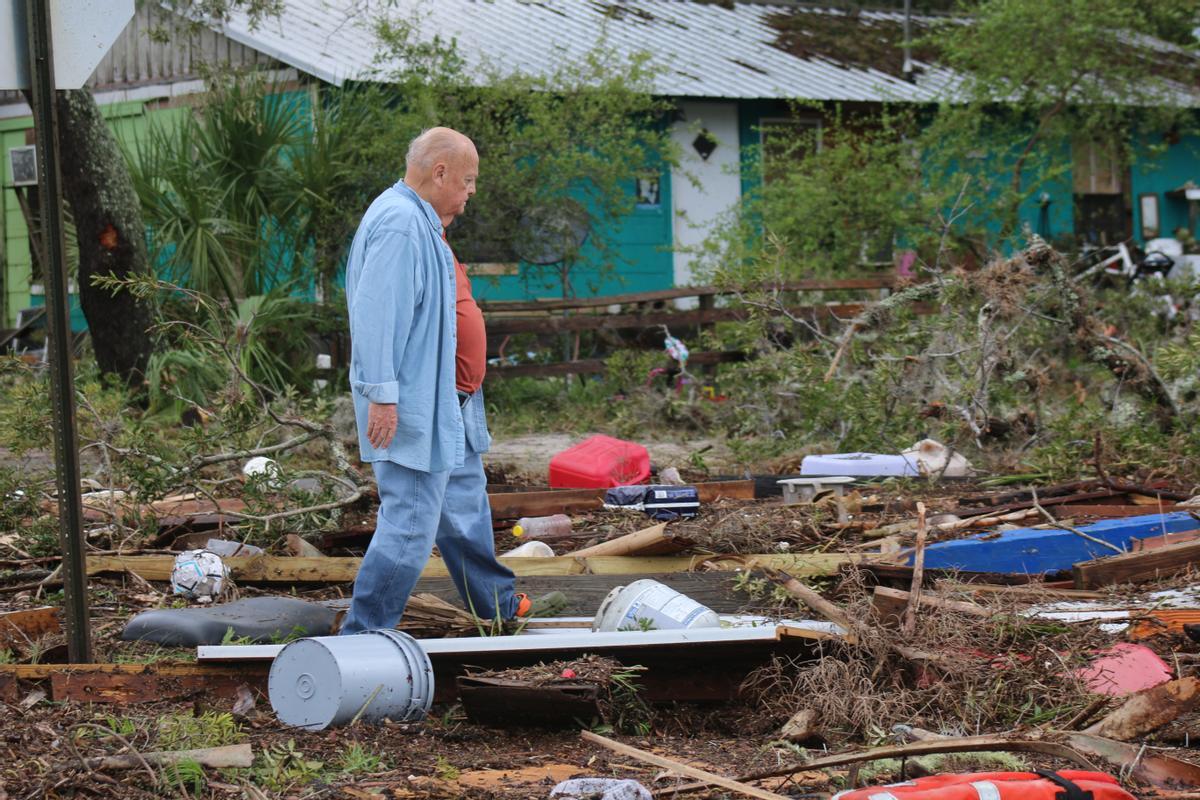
x=58, y=338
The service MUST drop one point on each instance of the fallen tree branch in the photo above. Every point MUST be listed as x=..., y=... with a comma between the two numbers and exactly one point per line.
x=856, y=632
x=876, y=314
x=683, y=769
x=233, y=755
x=968, y=744
x=1065, y=527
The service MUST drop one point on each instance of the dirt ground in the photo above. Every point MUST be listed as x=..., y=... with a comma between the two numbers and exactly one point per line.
x=527, y=456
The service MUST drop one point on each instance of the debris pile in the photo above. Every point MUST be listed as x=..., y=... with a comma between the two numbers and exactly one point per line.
x=956, y=624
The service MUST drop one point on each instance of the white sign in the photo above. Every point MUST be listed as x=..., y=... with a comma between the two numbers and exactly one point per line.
x=82, y=31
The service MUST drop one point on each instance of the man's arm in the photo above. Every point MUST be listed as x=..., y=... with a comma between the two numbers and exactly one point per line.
x=381, y=316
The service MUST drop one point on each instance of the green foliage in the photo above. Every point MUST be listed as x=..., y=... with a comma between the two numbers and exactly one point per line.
x=574, y=138
x=284, y=765
x=19, y=513
x=444, y=770
x=628, y=711
x=186, y=773
x=190, y=732
x=358, y=760
x=830, y=200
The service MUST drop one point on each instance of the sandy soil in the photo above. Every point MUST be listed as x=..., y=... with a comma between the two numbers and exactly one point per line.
x=527, y=457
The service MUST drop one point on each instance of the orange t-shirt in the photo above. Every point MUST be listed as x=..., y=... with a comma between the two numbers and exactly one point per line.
x=470, y=360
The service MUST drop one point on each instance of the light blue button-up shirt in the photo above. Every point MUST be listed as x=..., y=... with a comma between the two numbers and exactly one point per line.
x=403, y=329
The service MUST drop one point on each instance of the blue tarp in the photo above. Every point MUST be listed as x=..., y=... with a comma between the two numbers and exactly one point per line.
x=1033, y=551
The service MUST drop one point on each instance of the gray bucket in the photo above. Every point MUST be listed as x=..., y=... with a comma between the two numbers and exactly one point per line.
x=326, y=680
x=650, y=605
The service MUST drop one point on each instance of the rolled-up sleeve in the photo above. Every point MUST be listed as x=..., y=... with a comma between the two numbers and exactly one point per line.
x=385, y=298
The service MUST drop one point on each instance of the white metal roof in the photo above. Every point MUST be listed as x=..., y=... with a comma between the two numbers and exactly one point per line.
x=702, y=49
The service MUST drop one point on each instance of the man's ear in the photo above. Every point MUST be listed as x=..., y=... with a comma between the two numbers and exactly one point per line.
x=439, y=172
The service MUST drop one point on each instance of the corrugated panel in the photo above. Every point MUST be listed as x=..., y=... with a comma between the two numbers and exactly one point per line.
x=157, y=47
x=702, y=49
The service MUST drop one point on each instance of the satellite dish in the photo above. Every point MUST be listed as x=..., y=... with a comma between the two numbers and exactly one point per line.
x=549, y=234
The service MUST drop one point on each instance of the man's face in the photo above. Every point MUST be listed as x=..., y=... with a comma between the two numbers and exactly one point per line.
x=455, y=182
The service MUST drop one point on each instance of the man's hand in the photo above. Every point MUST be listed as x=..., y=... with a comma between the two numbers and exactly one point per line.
x=381, y=424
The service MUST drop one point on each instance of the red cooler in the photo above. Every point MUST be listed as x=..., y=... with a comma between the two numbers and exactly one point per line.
x=599, y=463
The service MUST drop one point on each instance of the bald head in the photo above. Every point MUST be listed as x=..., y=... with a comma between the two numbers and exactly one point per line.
x=434, y=145
x=441, y=166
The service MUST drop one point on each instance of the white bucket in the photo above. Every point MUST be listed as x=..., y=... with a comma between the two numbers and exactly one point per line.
x=327, y=680
x=649, y=605
x=530, y=550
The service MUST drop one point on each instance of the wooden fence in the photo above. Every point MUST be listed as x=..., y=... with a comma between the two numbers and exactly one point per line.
x=650, y=310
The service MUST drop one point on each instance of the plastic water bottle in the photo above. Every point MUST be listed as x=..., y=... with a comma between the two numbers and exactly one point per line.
x=539, y=527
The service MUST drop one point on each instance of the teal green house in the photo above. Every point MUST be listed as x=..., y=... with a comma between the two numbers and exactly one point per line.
x=731, y=68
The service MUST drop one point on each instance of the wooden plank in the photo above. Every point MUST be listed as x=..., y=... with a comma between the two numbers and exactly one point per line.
x=34, y=672
x=889, y=605
x=1044, y=502
x=138, y=683
x=586, y=592
x=1109, y=512
x=650, y=541
x=864, y=282
x=1030, y=592
x=1155, y=542
x=19, y=628
x=511, y=505
x=1148, y=565
x=275, y=569
x=122, y=688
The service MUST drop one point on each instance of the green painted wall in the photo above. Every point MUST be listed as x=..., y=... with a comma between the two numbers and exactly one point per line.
x=130, y=122
x=1178, y=165
x=640, y=252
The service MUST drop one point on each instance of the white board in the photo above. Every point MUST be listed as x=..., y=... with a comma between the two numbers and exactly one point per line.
x=82, y=31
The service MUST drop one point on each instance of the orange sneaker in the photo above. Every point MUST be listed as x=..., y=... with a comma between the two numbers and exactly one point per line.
x=546, y=605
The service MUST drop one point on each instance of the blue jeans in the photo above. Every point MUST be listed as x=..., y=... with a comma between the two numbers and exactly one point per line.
x=418, y=509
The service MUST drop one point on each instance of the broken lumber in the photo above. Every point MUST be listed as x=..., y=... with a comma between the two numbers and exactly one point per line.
x=1032, y=592
x=297, y=546
x=136, y=683
x=291, y=569
x=681, y=768
x=650, y=541
x=1147, y=565
x=908, y=620
x=1148, y=766
x=854, y=630
x=1162, y=621
x=816, y=602
x=889, y=605
x=27, y=626
x=1148, y=710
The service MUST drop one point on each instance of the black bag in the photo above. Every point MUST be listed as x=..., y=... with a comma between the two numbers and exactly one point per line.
x=662, y=503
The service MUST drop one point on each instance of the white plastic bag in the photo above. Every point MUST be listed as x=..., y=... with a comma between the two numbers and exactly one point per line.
x=600, y=789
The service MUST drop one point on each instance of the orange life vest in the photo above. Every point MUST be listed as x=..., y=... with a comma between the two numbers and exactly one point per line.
x=1064, y=785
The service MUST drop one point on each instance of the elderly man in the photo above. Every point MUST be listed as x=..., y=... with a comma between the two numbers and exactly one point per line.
x=417, y=362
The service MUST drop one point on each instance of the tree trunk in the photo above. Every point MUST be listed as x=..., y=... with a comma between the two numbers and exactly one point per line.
x=110, y=232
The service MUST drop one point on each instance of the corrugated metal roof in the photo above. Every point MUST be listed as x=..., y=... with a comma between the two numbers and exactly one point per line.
x=703, y=49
